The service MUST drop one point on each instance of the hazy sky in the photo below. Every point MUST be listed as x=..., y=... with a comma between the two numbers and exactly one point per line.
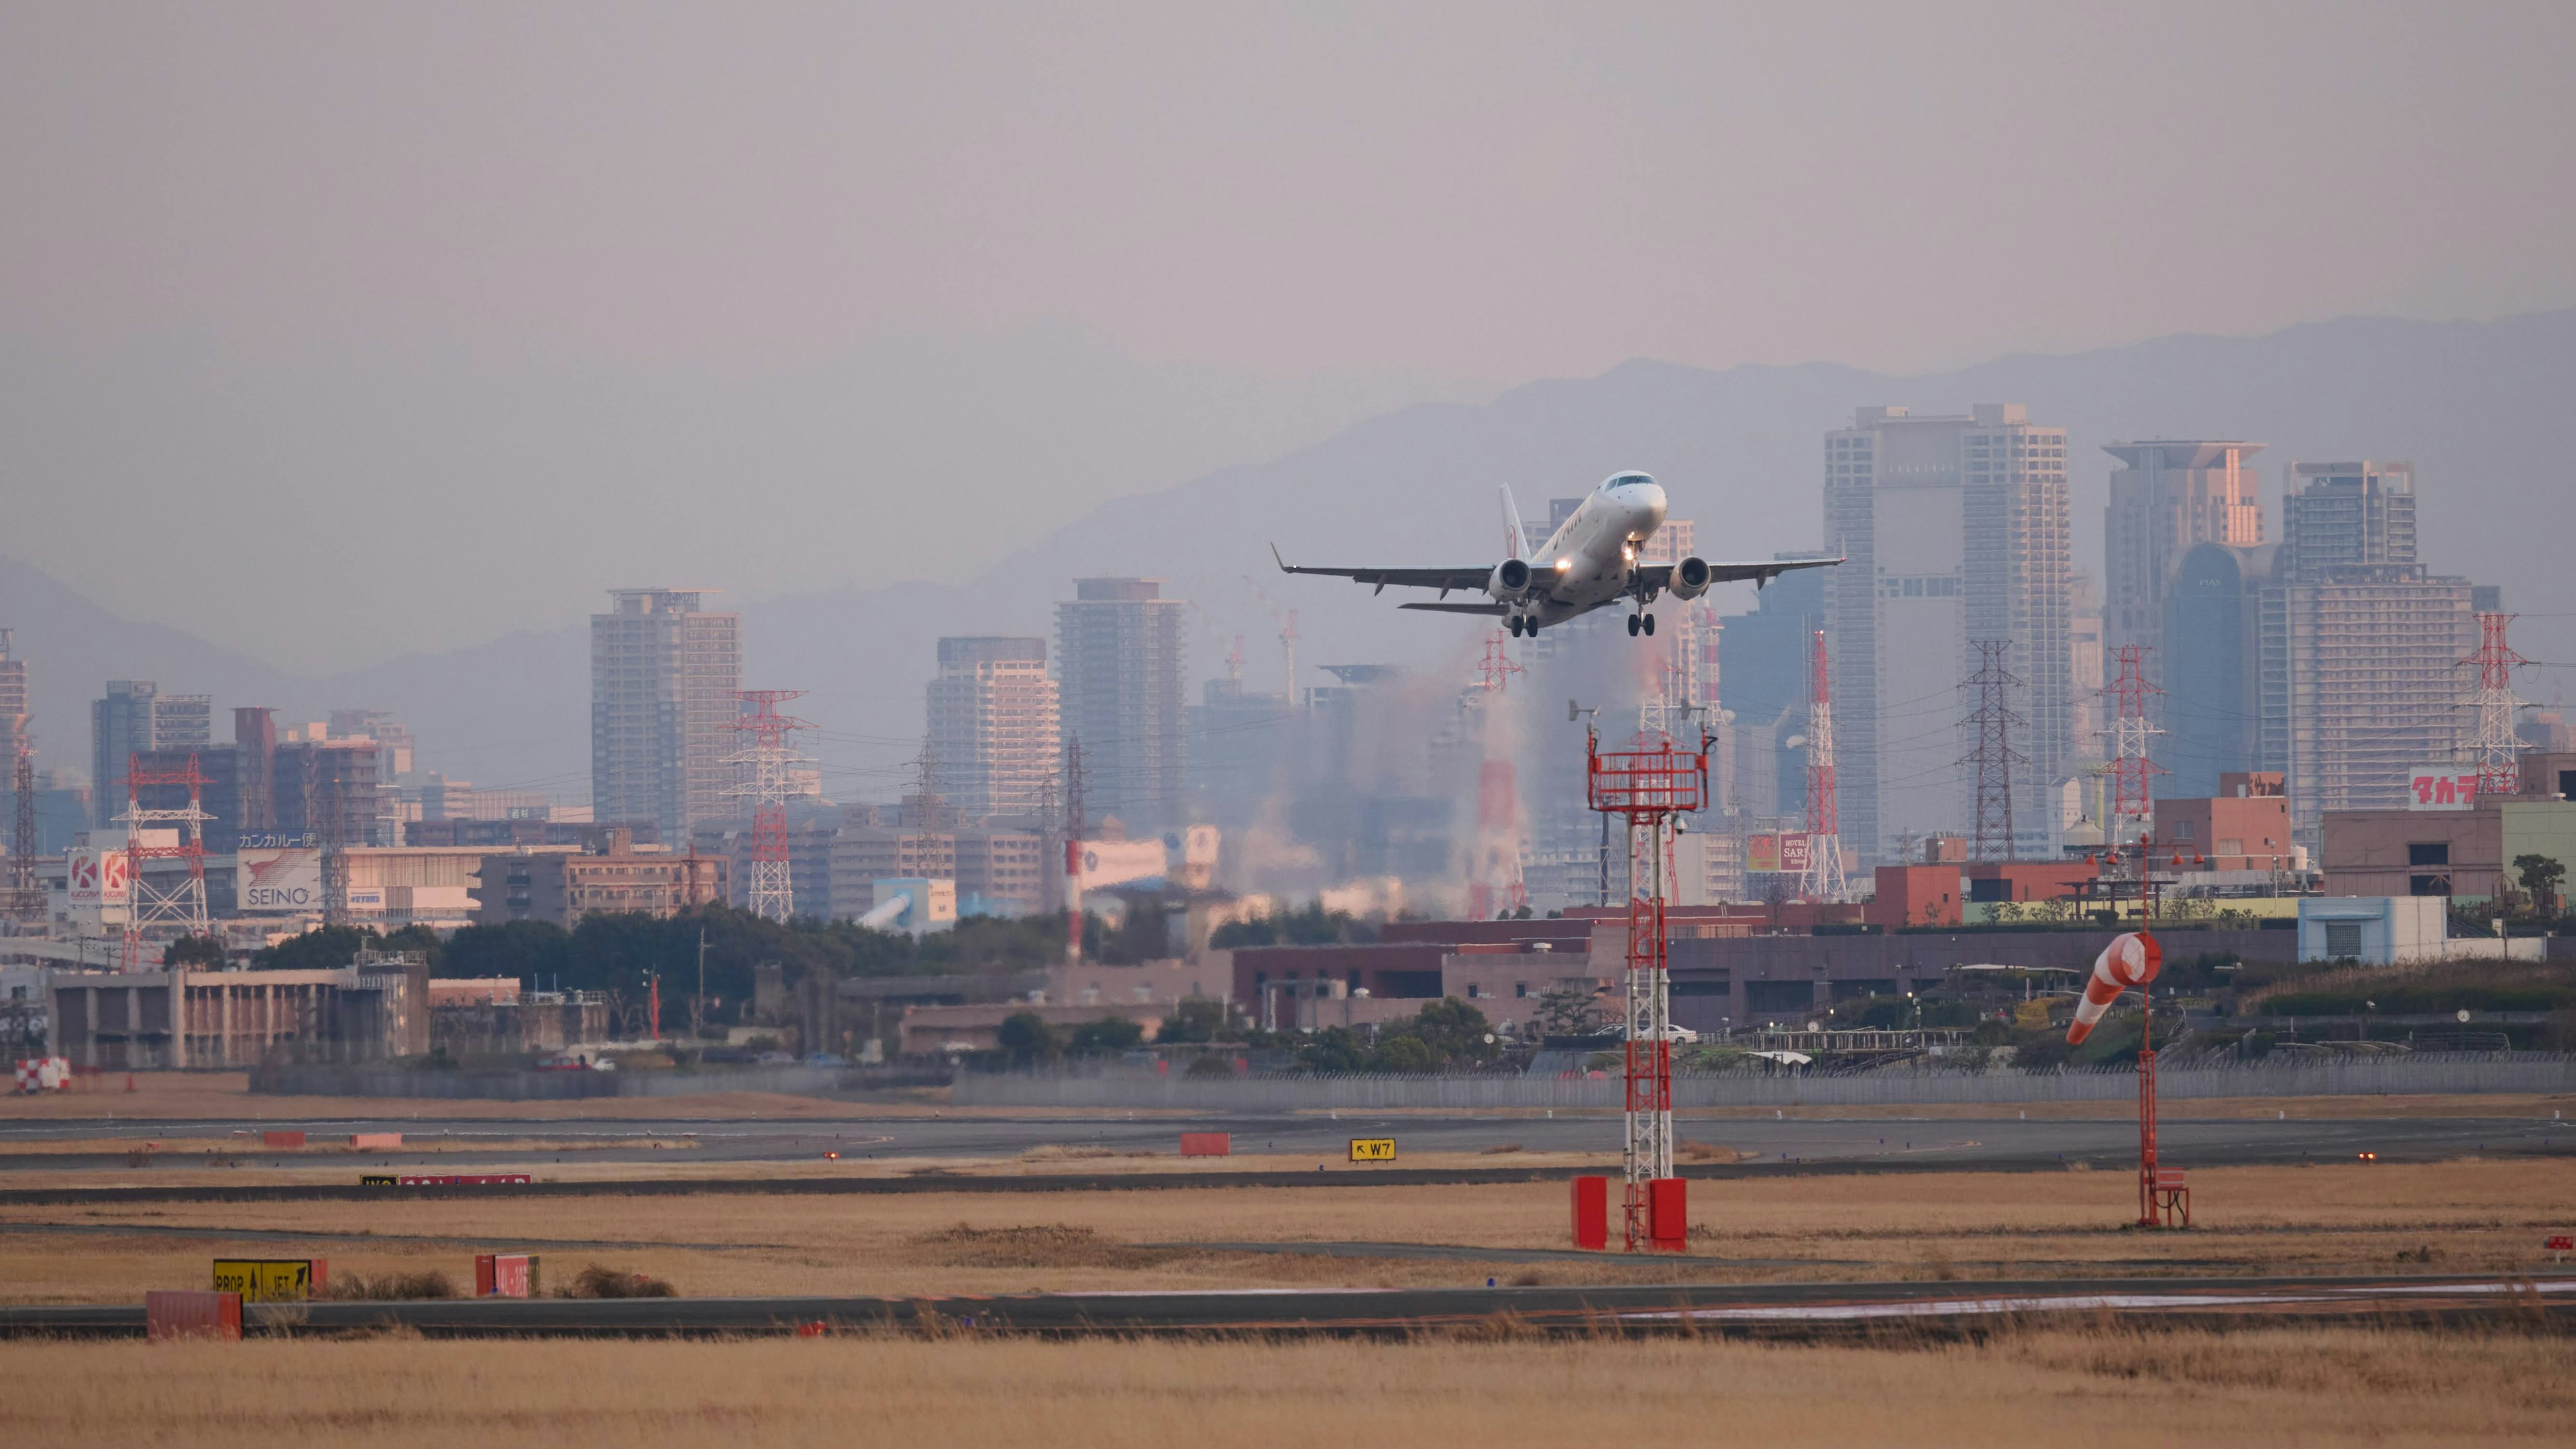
x=448, y=281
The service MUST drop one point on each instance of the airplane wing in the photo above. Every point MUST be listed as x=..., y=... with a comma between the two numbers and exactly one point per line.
x=1494, y=609
x=1657, y=578
x=1445, y=580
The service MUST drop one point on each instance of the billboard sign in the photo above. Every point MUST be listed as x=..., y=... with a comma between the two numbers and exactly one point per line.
x=280, y=880
x=1793, y=851
x=97, y=878
x=2441, y=787
x=1121, y=862
x=1762, y=854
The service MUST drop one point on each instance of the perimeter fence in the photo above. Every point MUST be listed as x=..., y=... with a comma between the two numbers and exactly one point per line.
x=2421, y=1074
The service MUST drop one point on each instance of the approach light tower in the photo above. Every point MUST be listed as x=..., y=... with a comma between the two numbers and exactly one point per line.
x=1650, y=784
x=763, y=760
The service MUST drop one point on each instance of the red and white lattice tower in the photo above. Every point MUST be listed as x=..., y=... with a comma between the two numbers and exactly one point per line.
x=1825, y=880
x=164, y=910
x=1495, y=670
x=2132, y=773
x=764, y=761
x=2498, y=746
x=1649, y=784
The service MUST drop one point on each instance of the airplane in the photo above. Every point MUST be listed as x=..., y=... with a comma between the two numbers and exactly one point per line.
x=1589, y=563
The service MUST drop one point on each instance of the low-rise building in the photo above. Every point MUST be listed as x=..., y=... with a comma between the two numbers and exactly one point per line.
x=935, y=1030
x=2463, y=848
x=2246, y=826
x=177, y=1019
x=612, y=875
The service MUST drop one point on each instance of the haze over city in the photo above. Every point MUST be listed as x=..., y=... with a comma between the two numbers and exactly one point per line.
x=694, y=697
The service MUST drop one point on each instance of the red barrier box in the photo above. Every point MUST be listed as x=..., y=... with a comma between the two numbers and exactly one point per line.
x=1207, y=1144
x=374, y=1141
x=281, y=1139
x=505, y=1275
x=1668, y=1213
x=185, y=1313
x=1592, y=1213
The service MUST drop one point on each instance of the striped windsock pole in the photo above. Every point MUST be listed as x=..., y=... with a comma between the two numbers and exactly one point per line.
x=2132, y=959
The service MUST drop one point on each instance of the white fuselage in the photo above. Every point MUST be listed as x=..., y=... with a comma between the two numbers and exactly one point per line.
x=1586, y=563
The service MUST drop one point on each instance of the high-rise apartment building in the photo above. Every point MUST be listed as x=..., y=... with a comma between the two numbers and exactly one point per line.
x=1956, y=529
x=992, y=726
x=2168, y=498
x=2358, y=650
x=136, y=718
x=1121, y=659
x=665, y=677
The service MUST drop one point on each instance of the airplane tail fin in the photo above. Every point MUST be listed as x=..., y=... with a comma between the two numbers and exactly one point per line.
x=1512, y=524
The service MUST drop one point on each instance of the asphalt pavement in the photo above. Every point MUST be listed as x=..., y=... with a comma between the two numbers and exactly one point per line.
x=1999, y=1142
x=1764, y=1309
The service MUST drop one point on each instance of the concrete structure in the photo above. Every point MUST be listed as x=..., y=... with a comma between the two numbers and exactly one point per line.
x=2168, y=497
x=2358, y=648
x=862, y=855
x=522, y=830
x=2246, y=826
x=992, y=728
x=368, y=1011
x=1941, y=894
x=136, y=718
x=1957, y=529
x=1122, y=661
x=2206, y=667
x=928, y=905
x=2468, y=853
x=545, y=883
x=2373, y=930
x=1003, y=872
x=1765, y=659
x=664, y=676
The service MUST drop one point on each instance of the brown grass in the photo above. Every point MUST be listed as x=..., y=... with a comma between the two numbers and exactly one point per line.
x=1055, y=1245
x=389, y=1287
x=2042, y=1388
x=2473, y=1216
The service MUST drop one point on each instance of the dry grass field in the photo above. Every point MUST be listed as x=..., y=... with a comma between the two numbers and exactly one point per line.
x=2269, y=1387
x=2456, y=1216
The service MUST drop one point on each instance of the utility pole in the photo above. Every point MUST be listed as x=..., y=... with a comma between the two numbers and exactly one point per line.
x=1073, y=827
x=1993, y=756
x=2498, y=747
x=2132, y=773
x=698, y=1008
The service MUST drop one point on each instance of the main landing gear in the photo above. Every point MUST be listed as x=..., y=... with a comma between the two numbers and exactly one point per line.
x=1523, y=628
x=1640, y=623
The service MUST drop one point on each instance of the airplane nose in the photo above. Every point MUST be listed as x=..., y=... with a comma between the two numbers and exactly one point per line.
x=1650, y=498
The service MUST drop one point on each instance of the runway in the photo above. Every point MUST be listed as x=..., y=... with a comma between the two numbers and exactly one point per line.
x=1792, y=1310
x=1982, y=1143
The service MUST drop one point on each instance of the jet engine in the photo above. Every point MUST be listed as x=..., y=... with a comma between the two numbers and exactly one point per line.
x=1690, y=578
x=1511, y=579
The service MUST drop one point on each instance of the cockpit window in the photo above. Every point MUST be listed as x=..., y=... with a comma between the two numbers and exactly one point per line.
x=1624, y=479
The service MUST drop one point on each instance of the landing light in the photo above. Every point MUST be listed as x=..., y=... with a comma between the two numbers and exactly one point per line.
x=1563, y=564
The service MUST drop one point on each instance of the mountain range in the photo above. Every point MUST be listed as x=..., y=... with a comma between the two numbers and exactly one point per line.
x=2472, y=404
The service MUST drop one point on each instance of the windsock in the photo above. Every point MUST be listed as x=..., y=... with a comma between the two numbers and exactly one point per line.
x=2132, y=959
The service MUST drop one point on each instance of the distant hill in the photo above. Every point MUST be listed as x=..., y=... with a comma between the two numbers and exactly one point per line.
x=2470, y=403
